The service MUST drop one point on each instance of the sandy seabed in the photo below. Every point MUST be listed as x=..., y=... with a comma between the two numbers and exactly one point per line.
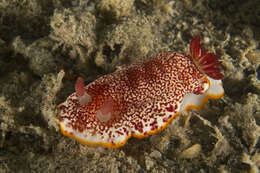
x=45, y=45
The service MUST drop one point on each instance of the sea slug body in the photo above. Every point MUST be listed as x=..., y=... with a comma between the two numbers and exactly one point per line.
x=142, y=98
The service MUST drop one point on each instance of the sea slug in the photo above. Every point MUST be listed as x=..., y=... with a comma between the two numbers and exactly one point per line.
x=142, y=98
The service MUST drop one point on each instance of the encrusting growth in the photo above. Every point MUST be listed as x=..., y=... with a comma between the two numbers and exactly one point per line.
x=142, y=98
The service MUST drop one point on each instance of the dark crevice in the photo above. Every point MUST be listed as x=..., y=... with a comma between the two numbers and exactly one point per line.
x=110, y=54
x=258, y=72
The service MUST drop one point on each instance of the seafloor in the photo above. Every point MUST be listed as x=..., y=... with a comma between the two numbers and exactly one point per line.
x=46, y=44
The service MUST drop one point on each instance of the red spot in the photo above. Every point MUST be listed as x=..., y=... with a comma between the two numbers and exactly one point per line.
x=139, y=127
x=170, y=108
x=206, y=62
x=154, y=125
x=120, y=133
x=126, y=131
x=165, y=120
x=61, y=118
x=109, y=134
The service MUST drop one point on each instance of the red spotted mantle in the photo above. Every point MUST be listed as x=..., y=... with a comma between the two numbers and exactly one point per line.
x=142, y=98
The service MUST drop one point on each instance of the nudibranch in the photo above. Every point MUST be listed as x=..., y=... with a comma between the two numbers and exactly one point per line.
x=142, y=98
